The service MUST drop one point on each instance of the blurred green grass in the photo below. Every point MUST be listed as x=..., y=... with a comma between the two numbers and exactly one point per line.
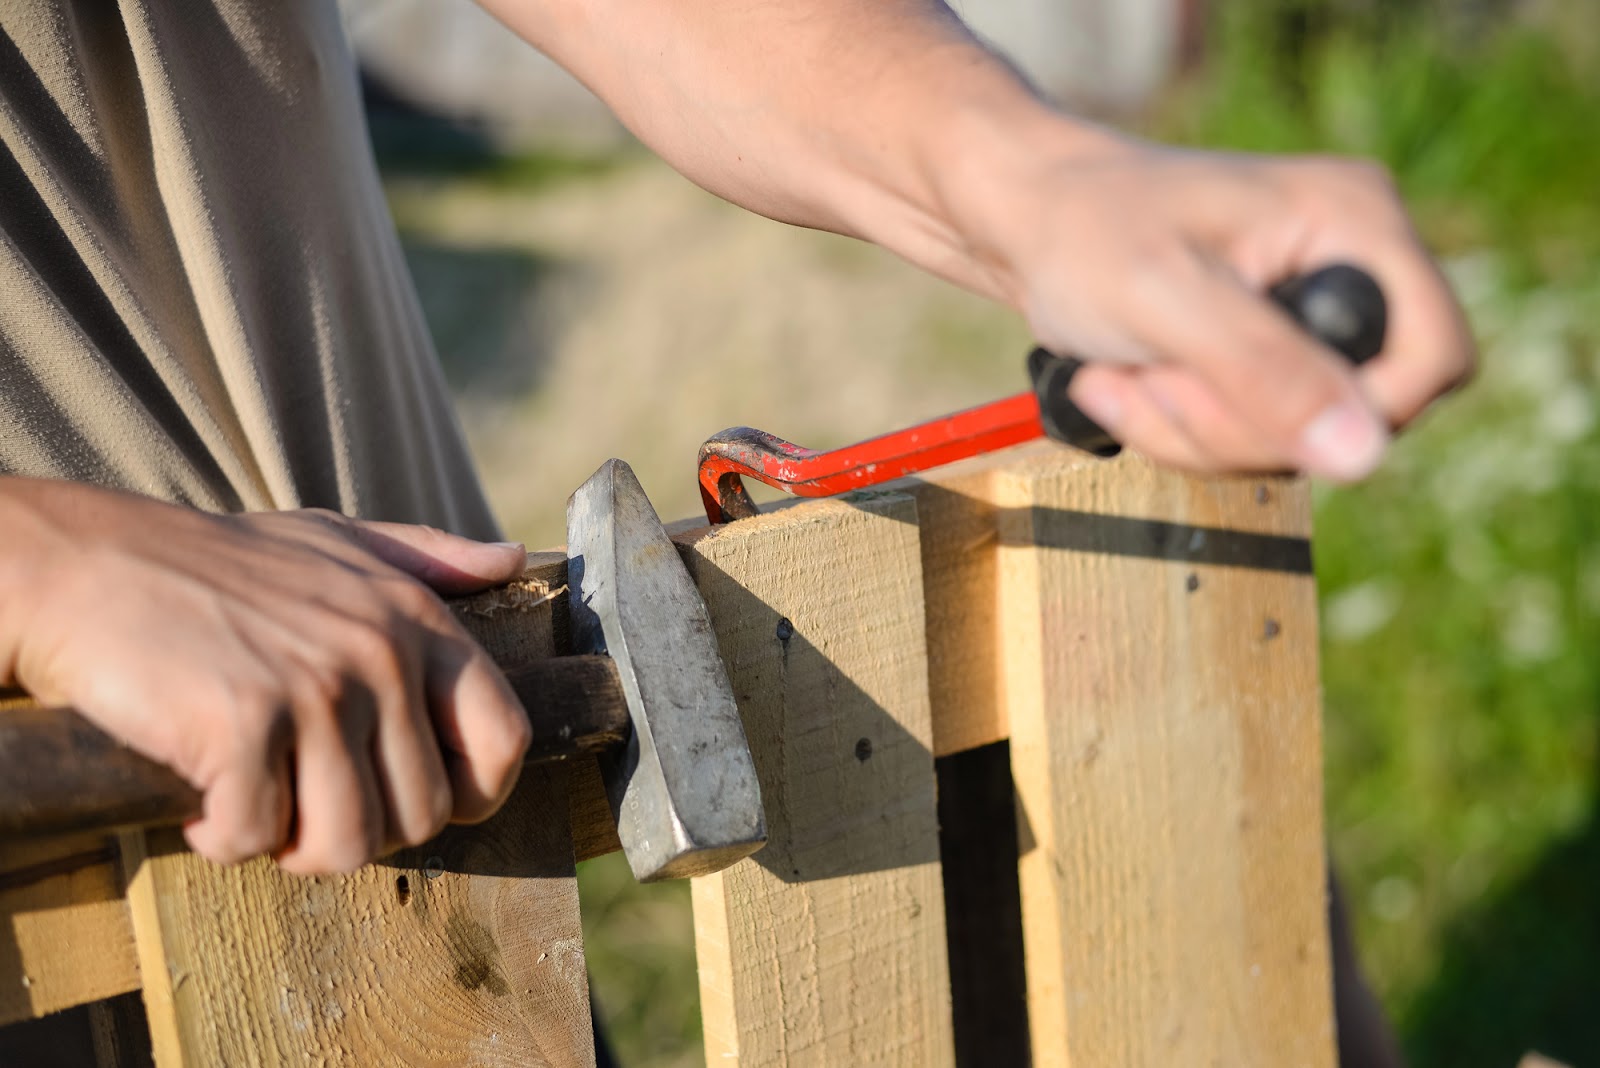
x=1460, y=587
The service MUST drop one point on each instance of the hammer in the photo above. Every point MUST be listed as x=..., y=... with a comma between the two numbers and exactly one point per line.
x=647, y=693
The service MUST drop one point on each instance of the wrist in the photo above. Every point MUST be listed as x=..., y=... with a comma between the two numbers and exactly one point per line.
x=23, y=558
x=996, y=171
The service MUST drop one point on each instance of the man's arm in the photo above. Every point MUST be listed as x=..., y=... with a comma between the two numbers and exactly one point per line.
x=888, y=121
x=295, y=667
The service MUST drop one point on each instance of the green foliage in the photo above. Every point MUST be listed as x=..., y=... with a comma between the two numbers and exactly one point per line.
x=1461, y=595
x=639, y=942
x=418, y=145
x=1491, y=135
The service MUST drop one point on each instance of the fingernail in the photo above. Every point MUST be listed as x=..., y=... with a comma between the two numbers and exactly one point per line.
x=517, y=545
x=1346, y=442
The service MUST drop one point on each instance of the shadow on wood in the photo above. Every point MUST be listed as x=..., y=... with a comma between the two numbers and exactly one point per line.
x=983, y=907
x=827, y=743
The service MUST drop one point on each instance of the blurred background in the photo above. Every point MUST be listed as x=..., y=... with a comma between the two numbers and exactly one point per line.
x=588, y=302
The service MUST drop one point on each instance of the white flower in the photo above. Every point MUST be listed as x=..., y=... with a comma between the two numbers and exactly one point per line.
x=1360, y=611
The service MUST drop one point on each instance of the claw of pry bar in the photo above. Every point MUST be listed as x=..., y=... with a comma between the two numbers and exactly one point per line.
x=810, y=473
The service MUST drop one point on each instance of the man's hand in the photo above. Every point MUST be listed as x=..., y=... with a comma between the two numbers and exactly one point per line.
x=297, y=667
x=888, y=121
x=1153, y=264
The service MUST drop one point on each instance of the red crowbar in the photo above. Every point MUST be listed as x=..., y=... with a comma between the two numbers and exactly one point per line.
x=1341, y=306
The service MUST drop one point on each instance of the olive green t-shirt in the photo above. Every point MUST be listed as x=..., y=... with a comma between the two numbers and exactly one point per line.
x=202, y=295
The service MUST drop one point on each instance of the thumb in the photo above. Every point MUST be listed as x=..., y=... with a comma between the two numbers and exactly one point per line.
x=1295, y=393
x=446, y=563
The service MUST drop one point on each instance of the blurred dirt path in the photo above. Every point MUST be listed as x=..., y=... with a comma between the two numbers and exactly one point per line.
x=652, y=315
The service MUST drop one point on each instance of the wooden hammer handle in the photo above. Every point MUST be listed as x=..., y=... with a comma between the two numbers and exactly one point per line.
x=61, y=773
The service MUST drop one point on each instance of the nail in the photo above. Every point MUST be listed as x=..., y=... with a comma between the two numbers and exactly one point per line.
x=517, y=545
x=1346, y=442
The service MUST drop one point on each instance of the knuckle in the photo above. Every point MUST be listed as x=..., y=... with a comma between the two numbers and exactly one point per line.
x=518, y=736
x=327, y=517
x=433, y=817
x=249, y=720
x=375, y=651
x=341, y=854
x=413, y=601
x=451, y=653
x=340, y=528
x=513, y=732
x=253, y=831
x=442, y=802
x=321, y=686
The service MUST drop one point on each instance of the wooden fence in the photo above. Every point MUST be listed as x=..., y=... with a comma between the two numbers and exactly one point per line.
x=1039, y=739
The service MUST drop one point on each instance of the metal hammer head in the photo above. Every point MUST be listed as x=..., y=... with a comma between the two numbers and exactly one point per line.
x=684, y=789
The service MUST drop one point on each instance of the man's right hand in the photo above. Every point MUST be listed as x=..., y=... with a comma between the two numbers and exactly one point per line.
x=298, y=668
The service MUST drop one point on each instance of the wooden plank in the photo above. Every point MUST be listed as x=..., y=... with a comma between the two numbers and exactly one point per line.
x=1159, y=659
x=827, y=947
x=465, y=951
x=66, y=937
x=594, y=828
x=959, y=557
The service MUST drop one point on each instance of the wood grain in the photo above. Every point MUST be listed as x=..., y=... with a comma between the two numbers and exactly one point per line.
x=1159, y=666
x=525, y=620
x=827, y=947
x=594, y=828
x=959, y=540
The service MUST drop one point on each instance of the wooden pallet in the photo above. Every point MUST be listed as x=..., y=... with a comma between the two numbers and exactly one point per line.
x=1039, y=739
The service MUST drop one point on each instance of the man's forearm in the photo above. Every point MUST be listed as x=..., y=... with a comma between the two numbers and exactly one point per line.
x=887, y=120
